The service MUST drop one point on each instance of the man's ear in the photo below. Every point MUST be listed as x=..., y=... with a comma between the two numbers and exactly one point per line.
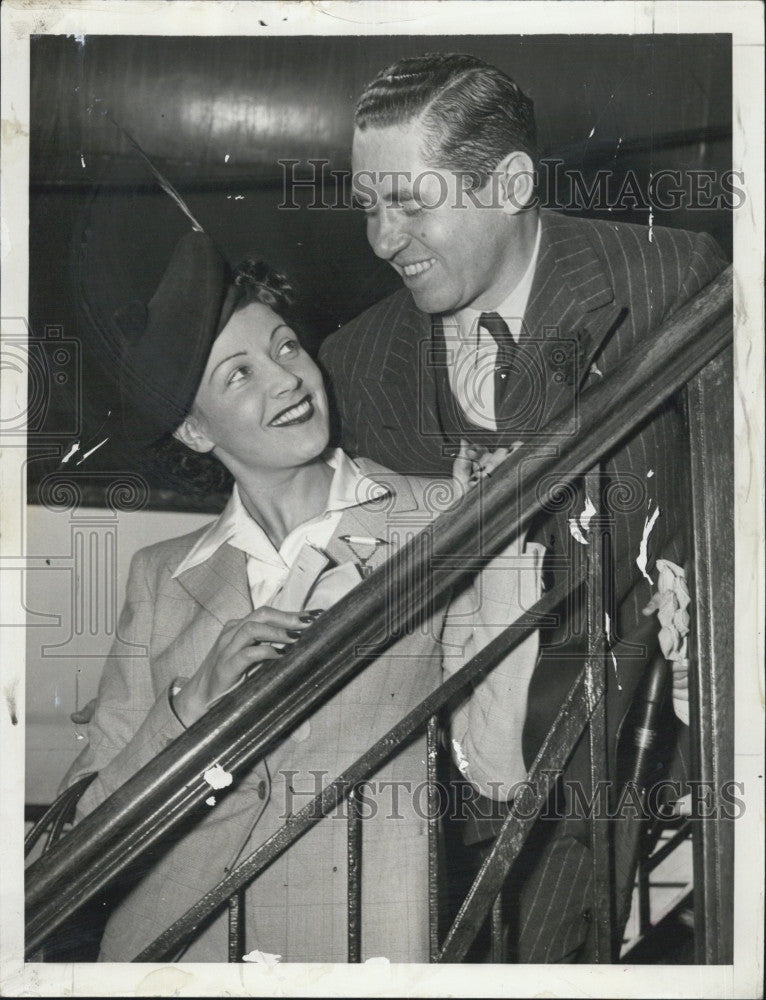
x=517, y=182
x=190, y=433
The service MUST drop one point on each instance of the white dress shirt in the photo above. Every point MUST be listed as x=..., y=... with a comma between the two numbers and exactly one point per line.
x=267, y=566
x=472, y=350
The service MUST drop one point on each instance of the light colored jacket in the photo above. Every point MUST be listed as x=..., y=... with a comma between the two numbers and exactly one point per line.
x=297, y=907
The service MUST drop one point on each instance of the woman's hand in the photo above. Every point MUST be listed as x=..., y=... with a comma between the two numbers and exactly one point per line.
x=241, y=644
x=474, y=463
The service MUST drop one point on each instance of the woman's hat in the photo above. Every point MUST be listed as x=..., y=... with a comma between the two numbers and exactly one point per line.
x=169, y=341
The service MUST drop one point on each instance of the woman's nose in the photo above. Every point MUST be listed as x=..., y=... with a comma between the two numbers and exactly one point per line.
x=386, y=234
x=285, y=381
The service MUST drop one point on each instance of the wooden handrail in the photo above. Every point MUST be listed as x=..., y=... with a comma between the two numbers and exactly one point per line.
x=239, y=728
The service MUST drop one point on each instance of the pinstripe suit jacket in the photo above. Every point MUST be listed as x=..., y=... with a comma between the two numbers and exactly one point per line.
x=599, y=290
x=296, y=907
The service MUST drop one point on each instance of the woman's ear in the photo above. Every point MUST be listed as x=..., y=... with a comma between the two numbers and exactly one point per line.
x=517, y=182
x=190, y=433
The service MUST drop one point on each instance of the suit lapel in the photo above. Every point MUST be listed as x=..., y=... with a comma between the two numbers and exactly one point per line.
x=403, y=381
x=220, y=584
x=571, y=310
x=453, y=420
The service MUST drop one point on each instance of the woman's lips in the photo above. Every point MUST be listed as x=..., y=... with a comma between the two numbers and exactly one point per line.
x=299, y=413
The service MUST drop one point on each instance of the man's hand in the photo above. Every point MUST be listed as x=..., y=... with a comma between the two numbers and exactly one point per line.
x=259, y=636
x=474, y=463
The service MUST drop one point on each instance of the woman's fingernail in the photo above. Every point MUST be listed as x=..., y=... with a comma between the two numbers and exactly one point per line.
x=294, y=632
x=316, y=612
x=281, y=650
x=307, y=619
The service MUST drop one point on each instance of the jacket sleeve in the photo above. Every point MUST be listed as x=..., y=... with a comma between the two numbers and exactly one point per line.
x=132, y=722
x=705, y=262
x=486, y=727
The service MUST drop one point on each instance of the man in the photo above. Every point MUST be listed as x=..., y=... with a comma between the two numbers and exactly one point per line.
x=507, y=314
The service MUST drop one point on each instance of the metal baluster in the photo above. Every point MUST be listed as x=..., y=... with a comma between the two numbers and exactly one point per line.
x=354, y=856
x=237, y=926
x=711, y=674
x=499, y=952
x=644, y=901
x=596, y=687
x=432, y=749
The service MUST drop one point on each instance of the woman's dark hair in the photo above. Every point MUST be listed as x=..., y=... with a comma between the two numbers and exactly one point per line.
x=201, y=474
x=256, y=281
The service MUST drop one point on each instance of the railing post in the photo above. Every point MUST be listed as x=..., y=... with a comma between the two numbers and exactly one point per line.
x=711, y=681
x=354, y=861
x=499, y=951
x=237, y=926
x=595, y=688
x=432, y=752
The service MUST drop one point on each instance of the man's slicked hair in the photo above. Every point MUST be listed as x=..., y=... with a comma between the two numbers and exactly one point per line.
x=472, y=113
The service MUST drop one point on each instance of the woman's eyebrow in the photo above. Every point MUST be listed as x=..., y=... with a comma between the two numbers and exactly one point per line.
x=279, y=326
x=239, y=354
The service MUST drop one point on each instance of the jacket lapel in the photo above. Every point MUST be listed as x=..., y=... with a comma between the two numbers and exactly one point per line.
x=403, y=381
x=571, y=311
x=220, y=584
x=375, y=518
x=453, y=420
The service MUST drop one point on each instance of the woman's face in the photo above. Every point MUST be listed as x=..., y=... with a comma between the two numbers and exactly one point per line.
x=261, y=404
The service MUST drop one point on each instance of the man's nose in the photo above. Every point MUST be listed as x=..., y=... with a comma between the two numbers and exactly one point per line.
x=387, y=234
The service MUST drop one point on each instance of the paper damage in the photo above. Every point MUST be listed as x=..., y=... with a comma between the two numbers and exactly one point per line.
x=578, y=527
x=72, y=451
x=262, y=958
x=671, y=602
x=642, y=554
x=608, y=631
x=217, y=778
x=460, y=758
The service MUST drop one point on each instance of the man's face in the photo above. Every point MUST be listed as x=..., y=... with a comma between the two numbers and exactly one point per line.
x=452, y=248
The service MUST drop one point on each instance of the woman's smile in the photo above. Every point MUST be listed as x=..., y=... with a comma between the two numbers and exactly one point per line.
x=298, y=413
x=258, y=380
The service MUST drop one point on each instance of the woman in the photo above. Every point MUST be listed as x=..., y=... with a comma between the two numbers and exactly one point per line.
x=215, y=365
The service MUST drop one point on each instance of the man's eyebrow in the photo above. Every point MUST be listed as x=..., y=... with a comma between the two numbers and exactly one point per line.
x=398, y=196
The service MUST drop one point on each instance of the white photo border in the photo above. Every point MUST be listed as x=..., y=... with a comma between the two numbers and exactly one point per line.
x=744, y=20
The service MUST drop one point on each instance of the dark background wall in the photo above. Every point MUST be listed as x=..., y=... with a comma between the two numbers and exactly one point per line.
x=217, y=114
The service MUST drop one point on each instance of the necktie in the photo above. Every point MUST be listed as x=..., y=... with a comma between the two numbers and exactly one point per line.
x=507, y=349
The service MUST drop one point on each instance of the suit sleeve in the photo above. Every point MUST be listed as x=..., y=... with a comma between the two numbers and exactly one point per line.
x=705, y=262
x=132, y=722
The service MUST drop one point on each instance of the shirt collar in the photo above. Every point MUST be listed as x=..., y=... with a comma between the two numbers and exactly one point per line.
x=349, y=487
x=513, y=306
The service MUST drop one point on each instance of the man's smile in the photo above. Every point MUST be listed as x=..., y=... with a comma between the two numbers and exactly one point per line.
x=298, y=413
x=419, y=267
